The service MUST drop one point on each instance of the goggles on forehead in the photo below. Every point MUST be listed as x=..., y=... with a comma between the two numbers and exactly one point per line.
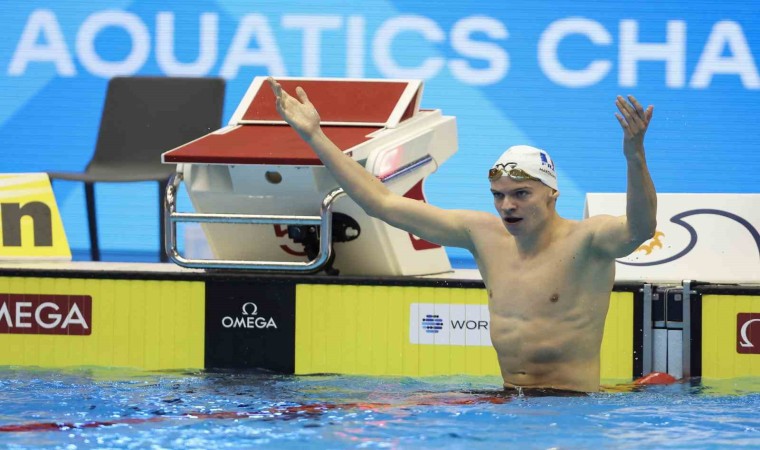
x=509, y=170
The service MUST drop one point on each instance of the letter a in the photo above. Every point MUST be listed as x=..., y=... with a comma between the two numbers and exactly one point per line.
x=42, y=23
x=71, y=319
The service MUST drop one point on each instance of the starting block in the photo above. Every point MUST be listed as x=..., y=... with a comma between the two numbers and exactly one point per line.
x=266, y=203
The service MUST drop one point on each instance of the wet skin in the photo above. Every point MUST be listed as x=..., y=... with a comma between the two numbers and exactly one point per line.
x=548, y=278
x=548, y=305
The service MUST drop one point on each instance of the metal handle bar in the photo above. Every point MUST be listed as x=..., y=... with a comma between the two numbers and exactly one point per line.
x=324, y=221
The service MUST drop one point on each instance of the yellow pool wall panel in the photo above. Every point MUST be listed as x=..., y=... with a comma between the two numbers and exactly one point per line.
x=364, y=330
x=720, y=359
x=616, y=356
x=145, y=324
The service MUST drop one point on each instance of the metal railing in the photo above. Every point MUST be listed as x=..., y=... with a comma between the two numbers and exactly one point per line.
x=324, y=221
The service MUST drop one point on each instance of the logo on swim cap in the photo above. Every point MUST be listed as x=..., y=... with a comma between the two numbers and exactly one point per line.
x=547, y=161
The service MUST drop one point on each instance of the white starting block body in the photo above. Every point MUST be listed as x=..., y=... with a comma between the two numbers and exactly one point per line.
x=258, y=165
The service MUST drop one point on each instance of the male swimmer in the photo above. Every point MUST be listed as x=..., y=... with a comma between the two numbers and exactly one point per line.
x=549, y=279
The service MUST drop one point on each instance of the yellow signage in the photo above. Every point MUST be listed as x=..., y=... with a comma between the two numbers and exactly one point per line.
x=143, y=324
x=728, y=336
x=30, y=224
x=375, y=330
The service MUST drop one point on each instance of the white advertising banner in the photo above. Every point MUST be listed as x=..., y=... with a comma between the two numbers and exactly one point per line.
x=703, y=237
x=449, y=324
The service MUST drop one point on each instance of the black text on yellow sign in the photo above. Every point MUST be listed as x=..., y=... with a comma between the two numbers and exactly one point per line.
x=30, y=224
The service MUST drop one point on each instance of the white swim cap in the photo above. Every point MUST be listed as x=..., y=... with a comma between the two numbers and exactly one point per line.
x=531, y=160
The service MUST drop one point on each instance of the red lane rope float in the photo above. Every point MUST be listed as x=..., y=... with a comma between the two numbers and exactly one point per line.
x=64, y=426
x=280, y=412
x=655, y=378
x=276, y=412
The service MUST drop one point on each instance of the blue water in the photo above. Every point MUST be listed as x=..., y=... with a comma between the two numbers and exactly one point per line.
x=98, y=408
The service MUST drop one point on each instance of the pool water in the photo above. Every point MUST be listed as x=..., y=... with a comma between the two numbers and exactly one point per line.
x=100, y=408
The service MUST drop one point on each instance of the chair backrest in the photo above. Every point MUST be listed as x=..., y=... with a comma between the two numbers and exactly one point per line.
x=146, y=116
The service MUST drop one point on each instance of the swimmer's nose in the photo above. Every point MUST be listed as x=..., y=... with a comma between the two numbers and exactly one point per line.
x=507, y=207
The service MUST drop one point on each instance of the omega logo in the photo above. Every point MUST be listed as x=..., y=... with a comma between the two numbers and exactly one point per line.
x=45, y=314
x=249, y=318
x=747, y=336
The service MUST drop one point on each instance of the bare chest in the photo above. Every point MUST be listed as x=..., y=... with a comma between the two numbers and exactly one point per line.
x=554, y=282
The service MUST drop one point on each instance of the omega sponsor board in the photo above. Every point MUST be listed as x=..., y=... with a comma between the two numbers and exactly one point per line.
x=250, y=325
x=748, y=333
x=45, y=314
x=249, y=318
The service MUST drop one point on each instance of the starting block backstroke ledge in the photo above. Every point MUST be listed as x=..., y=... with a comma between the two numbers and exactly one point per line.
x=260, y=191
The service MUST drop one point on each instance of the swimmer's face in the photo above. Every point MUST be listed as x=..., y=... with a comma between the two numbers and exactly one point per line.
x=523, y=205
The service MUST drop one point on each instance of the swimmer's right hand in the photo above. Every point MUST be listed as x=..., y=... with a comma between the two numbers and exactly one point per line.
x=299, y=112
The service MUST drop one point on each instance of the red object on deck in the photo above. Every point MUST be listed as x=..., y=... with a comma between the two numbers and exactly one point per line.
x=655, y=378
x=336, y=100
x=350, y=110
x=263, y=144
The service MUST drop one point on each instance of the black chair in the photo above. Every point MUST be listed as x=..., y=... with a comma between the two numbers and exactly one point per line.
x=142, y=118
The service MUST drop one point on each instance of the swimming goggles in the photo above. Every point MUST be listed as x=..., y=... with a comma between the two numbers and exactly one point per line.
x=509, y=170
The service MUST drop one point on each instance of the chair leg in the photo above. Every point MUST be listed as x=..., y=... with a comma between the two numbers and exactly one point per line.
x=162, y=220
x=89, y=191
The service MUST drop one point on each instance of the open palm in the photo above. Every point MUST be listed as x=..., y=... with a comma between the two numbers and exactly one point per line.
x=634, y=120
x=299, y=113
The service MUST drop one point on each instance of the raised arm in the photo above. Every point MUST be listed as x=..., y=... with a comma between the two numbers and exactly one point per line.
x=619, y=236
x=445, y=227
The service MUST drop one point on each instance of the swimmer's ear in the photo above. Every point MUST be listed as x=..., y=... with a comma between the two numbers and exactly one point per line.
x=553, y=196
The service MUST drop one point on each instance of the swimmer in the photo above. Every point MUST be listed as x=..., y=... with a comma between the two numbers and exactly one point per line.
x=548, y=278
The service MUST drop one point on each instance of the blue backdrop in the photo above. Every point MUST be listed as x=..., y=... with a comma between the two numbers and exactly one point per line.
x=534, y=72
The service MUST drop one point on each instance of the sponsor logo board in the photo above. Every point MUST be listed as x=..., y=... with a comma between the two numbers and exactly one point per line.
x=449, y=324
x=250, y=325
x=748, y=333
x=45, y=314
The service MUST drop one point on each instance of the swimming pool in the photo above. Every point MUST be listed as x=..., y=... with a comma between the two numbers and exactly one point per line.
x=109, y=408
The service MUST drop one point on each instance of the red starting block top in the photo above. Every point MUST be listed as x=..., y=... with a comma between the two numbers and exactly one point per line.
x=350, y=110
x=340, y=102
x=263, y=144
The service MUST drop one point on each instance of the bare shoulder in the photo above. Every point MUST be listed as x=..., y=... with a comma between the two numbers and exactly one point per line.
x=600, y=222
x=481, y=227
x=485, y=231
x=482, y=221
x=610, y=235
x=587, y=231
